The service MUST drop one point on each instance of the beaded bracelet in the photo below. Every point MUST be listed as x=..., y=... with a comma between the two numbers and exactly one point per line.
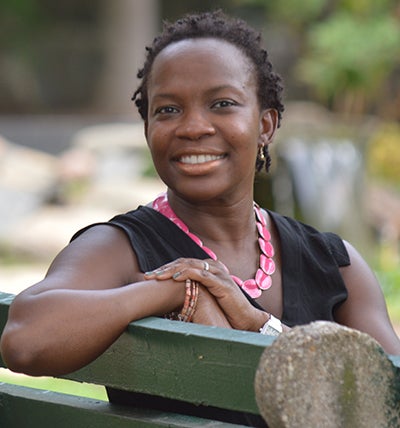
x=189, y=305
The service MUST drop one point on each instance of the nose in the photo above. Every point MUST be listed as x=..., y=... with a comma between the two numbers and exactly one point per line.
x=194, y=125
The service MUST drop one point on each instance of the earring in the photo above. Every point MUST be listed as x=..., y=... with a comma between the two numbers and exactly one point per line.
x=261, y=154
x=260, y=160
x=263, y=159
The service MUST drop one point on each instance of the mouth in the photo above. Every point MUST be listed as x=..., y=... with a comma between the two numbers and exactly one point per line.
x=199, y=159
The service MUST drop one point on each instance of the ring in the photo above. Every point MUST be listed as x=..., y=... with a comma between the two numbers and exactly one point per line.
x=206, y=266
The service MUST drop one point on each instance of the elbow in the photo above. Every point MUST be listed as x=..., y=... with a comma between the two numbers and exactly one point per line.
x=17, y=355
x=13, y=357
x=24, y=353
x=21, y=349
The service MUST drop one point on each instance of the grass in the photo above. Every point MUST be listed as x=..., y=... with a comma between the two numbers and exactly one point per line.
x=51, y=384
x=390, y=281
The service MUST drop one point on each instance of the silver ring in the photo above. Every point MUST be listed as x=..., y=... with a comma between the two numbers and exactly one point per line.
x=206, y=266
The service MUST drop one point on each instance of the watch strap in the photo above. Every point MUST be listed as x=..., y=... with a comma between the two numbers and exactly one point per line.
x=273, y=327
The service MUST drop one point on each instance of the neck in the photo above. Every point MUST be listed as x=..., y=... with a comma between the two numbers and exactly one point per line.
x=216, y=221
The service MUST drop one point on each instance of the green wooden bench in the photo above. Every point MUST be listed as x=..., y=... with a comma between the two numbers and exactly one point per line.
x=186, y=362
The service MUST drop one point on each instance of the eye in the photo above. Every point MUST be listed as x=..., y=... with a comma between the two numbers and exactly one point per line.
x=166, y=110
x=224, y=104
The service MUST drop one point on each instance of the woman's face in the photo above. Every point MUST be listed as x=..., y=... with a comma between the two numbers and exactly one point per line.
x=204, y=123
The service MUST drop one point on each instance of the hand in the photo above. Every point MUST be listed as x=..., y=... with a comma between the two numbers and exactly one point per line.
x=208, y=311
x=239, y=312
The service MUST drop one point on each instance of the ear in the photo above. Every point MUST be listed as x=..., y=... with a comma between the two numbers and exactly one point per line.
x=268, y=126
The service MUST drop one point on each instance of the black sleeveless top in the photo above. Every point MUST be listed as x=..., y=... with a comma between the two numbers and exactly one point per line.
x=311, y=282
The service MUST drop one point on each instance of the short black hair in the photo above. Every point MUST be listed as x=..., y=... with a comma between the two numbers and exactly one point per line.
x=216, y=25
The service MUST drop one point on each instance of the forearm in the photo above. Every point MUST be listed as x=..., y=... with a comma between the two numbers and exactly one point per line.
x=59, y=331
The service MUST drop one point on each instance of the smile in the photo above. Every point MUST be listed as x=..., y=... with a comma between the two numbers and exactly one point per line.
x=197, y=159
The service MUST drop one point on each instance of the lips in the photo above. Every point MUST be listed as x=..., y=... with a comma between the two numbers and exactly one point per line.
x=199, y=159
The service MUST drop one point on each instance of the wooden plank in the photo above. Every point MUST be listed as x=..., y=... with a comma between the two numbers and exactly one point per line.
x=5, y=302
x=187, y=362
x=23, y=407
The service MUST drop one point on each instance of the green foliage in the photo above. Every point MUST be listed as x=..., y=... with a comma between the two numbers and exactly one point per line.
x=367, y=7
x=23, y=21
x=348, y=51
x=295, y=13
x=390, y=281
x=350, y=54
x=347, y=48
x=299, y=12
x=383, y=155
x=26, y=9
x=19, y=19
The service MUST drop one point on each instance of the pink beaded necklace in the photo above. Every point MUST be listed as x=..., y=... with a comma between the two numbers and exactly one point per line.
x=262, y=281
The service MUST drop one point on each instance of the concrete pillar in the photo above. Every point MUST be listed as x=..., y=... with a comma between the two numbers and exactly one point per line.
x=326, y=375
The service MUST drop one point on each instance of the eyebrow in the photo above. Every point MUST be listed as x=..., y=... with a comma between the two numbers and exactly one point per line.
x=210, y=91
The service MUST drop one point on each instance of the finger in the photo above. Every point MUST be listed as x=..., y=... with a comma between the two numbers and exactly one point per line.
x=195, y=269
x=206, y=265
x=174, y=268
x=215, y=279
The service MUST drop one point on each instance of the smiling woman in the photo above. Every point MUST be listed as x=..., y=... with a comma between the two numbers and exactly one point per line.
x=204, y=251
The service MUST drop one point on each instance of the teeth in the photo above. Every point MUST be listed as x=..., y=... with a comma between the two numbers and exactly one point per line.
x=193, y=159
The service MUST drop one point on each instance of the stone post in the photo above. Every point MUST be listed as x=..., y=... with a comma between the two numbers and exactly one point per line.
x=323, y=375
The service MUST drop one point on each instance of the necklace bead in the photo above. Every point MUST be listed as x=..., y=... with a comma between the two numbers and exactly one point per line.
x=262, y=281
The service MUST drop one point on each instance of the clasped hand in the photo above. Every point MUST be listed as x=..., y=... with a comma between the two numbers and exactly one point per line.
x=220, y=302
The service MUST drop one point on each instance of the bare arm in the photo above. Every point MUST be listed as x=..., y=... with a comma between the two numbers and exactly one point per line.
x=365, y=309
x=92, y=291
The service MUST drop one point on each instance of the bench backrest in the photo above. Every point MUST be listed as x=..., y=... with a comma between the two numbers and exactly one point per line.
x=321, y=373
x=187, y=362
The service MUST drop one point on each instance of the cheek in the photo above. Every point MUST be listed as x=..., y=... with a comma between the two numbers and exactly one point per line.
x=245, y=138
x=156, y=138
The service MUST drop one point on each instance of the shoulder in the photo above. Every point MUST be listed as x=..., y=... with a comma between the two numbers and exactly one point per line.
x=358, y=271
x=128, y=227
x=120, y=221
x=117, y=243
x=365, y=309
x=103, y=249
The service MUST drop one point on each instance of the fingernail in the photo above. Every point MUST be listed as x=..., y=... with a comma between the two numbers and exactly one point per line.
x=176, y=274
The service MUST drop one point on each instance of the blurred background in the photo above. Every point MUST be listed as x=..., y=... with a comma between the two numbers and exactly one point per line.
x=72, y=149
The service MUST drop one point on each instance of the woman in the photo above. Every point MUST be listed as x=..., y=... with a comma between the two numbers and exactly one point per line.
x=204, y=251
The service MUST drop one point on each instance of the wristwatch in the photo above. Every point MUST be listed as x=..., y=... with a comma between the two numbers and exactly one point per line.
x=273, y=327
